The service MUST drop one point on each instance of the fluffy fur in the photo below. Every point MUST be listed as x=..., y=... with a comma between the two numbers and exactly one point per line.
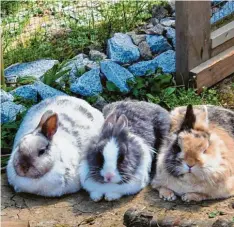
x=48, y=146
x=118, y=161
x=196, y=160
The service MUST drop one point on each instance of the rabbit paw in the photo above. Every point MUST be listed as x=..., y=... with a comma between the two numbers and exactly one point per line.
x=167, y=194
x=191, y=196
x=96, y=196
x=112, y=196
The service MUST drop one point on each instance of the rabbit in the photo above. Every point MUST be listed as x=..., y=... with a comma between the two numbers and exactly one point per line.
x=49, y=144
x=196, y=160
x=118, y=161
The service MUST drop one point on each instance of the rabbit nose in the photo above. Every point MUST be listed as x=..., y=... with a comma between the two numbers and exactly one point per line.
x=109, y=176
x=190, y=167
x=25, y=167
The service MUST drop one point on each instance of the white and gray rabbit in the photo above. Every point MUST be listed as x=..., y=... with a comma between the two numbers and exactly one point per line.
x=49, y=144
x=118, y=161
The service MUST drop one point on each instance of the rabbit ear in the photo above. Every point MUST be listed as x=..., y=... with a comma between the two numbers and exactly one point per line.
x=48, y=124
x=121, y=124
x=109, y=123
x=189, y=119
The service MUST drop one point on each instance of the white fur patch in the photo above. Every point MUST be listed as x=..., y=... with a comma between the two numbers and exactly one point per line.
x=110, y=153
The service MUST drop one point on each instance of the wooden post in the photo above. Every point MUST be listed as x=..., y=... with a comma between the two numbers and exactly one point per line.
x=3, y=84
x=192, y=37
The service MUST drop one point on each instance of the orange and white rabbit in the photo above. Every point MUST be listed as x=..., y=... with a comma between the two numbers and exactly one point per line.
x=196, y=160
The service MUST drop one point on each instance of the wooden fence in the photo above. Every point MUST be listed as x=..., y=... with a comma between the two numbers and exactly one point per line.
x=203, y=57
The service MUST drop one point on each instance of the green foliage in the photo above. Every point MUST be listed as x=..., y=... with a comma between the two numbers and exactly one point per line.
x=25, y=80
x=75, y=35
x=160, y=89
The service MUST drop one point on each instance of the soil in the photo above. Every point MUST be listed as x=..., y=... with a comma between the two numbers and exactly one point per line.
x=78, y=210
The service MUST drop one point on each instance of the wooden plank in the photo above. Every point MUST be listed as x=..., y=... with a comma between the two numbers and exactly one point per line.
x=15, y=224
x=222, y=34
x=222, y=47
x=192, y=37
x=214, y=70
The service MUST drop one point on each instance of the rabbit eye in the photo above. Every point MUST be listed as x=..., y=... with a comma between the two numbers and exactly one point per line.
x=120, y=158
x=176, y=148
x=41, y=152
x=100, y=159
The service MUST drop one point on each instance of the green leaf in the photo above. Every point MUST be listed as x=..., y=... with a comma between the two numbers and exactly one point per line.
x=170, y=90
x=213, y=214
x=111, y=86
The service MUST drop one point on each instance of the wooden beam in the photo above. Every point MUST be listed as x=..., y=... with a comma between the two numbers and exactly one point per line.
x=214, y=70
x=222, y=34
x=222, y=47
x=192, y=37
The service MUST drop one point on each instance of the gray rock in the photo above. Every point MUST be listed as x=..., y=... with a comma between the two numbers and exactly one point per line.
x=166, y=61
x=158, y=44
x=6, y=96
x=172, y=5
x=121, y=49
x=36, y=69
x=143, y=68
x=159, y=11
x=154, y=21
x=76, y=67
x=100, y=103
x=137, y=39
x=168, y=22
x=171, y=34
x=9, y=111
x=222, y=223
x=88, y=84
x=27, y=92
x=145, y=50
x=96, y=55
x=157, y=29
x=46, y=91
x=116, y=74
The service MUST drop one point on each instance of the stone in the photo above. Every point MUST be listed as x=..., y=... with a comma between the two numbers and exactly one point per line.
x=27, y=92
x=154, y=21
x=222, y=223
x=75, y=68
x=137, y=39
x=89, y=84
x=171, y=34
x=159, y=12
x=226, y=9
x=6, y=96
x=145, y=50
x=168, y=22
x=166, y=61
x=121, y=49
x=100, y=103
x=143, y=68
x=36, y=69
x=116, y=74
x=158, y=29
x=45, y=91
x=9, y=111
x=172, y=5
x=96, y=55
x=158, y=44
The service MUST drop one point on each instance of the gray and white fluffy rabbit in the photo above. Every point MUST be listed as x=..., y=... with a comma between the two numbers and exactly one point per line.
x=49, y=144
x=118, y=161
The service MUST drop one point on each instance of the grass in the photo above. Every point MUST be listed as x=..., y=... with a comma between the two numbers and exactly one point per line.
x=92, y=28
